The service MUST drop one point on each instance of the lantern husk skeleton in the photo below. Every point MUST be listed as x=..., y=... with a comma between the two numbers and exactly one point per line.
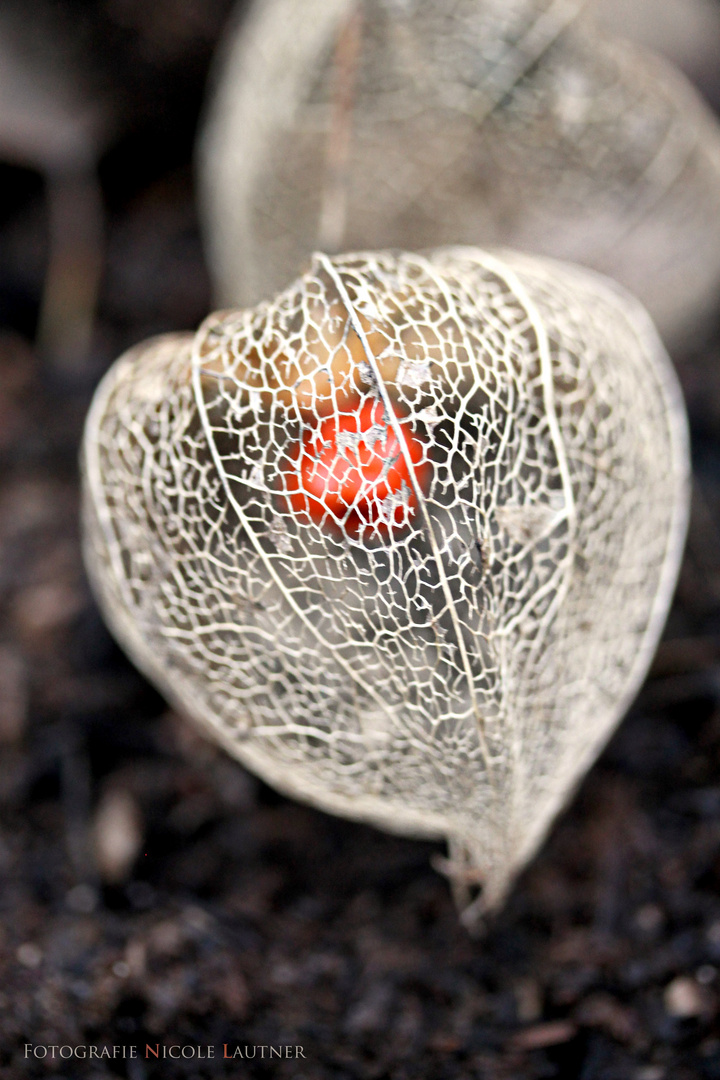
x=450, y=666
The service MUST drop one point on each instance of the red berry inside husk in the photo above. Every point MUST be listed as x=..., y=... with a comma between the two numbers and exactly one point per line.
x=351, y=473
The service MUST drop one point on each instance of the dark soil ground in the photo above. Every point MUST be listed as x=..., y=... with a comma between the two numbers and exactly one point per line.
x=233, y=916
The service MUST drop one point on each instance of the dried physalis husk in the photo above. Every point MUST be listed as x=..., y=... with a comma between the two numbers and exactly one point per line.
x=355, y=124
x=687, y=32
x=403, y=539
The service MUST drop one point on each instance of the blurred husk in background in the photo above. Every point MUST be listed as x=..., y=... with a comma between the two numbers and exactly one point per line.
x=150, y=888
x=369, y=124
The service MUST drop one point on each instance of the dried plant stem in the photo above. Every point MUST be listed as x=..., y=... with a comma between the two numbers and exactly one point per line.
x=333, y=212
x=74, y=266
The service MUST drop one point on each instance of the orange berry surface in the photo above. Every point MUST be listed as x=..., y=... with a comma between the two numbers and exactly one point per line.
x=353, y=474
